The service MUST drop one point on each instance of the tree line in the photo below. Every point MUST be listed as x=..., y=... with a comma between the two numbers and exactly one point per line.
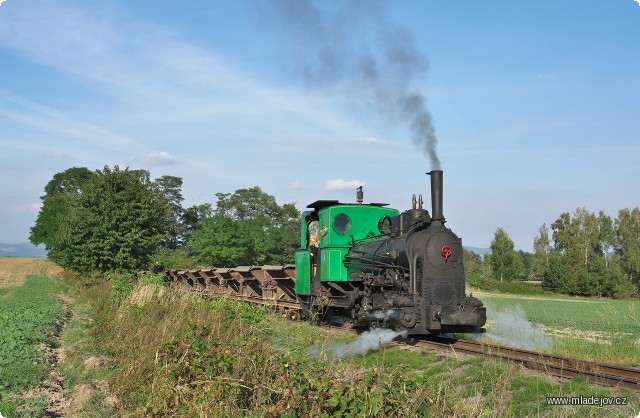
x=118, y=220
x=583, y=253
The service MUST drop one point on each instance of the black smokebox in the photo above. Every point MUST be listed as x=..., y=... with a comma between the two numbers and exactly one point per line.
x=436, y=195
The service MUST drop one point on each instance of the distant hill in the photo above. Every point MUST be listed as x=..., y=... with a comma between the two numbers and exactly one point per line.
x=22, y=249
x=478, y=250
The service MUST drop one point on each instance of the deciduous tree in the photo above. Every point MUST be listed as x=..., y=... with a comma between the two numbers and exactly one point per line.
x=113, y=224
x=583, y=264
x=170, y=188
x=60, y=191
x=628, y=233
x=247, y=228
x=506, y=264
x=541, y=253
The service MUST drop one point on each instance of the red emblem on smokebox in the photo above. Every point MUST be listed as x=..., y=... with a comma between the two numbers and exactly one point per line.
x=446, y=252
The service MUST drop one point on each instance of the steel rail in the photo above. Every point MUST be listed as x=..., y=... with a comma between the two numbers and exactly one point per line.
x=559, y=366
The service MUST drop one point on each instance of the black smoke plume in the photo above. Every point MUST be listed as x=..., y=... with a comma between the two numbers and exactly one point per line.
x=348, y=47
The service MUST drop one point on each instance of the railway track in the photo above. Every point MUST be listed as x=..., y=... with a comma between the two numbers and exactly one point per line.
x=559, y=366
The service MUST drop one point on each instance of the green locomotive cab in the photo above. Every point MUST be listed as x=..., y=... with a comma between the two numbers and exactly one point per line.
x=328, y=232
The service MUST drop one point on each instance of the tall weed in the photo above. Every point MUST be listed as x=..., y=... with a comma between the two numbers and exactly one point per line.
x=175, y=354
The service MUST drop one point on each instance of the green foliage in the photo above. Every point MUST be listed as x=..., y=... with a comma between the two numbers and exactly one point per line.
x=472, y=262
x=122, y=285
x=473, y=269
x=505, y=262
x=516, y=287
x=592, y=281
x=527, y=261
x=27, y=315
x=541, y=253
x=170, y=188
x=557, y=277
x=576, y=238
x=192, y=218
x=581, y=261
x=628, y=246
x=116, y=221
x=247, y=228
x=173, y=259
x=56, y=205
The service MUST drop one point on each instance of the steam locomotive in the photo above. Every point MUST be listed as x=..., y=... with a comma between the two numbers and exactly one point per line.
x=374, y=263
x=363, y=264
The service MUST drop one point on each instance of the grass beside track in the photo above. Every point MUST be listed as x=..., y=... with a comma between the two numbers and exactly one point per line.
x=169, y=353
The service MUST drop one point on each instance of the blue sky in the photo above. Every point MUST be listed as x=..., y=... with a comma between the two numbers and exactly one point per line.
x=534, y=104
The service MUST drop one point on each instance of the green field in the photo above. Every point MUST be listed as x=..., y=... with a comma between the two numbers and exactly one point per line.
x=597, y=329
x=28, y=314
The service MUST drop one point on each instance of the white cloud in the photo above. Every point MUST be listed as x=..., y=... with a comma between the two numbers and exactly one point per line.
x=31, y=208
x=161, y=158
x=296, y=185
x=341, y=184
x=373, y=141
x=155, y=158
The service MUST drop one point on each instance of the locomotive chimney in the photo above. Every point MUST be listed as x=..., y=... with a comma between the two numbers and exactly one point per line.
x=436, y=195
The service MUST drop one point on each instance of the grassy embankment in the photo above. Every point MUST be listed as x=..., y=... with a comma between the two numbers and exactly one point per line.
x=169, y=353
x=29, y=309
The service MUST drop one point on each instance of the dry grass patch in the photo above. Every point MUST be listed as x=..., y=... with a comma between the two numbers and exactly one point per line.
x=14, y=269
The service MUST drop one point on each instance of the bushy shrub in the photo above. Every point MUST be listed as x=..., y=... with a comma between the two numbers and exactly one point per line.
x=173, y=259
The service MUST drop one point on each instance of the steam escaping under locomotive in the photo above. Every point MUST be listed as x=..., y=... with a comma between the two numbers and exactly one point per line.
x=363, y=264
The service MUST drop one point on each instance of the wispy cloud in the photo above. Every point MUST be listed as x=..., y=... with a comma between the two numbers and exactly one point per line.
x=296, y=185
x=47, y=120
x=373, y=141
x=341, y=184
x=161, y=158
x=152, y=74
x=30, y=208
x=60, y=155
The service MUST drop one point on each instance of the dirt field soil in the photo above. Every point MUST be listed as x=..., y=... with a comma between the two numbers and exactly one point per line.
x=14, y=269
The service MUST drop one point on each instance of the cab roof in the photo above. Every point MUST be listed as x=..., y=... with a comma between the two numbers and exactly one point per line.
x=321, y=204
